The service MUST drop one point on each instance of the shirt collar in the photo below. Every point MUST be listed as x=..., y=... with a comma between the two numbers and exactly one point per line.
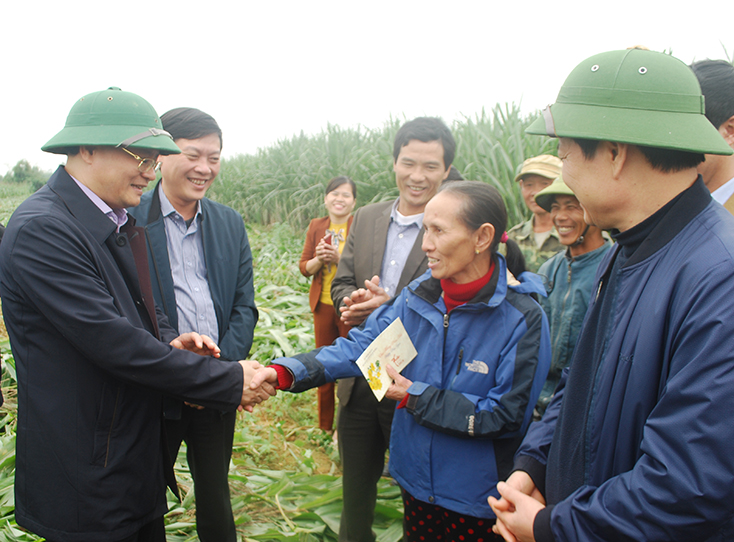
x=724, y=192
x=167, y=207
x=402, y=220
x=118, y=216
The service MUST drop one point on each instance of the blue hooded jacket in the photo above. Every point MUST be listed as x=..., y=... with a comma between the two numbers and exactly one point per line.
x=476, y=378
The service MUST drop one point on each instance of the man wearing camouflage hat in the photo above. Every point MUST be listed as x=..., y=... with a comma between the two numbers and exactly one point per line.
x=91, y=349
x=636, y=444
x=537, y=238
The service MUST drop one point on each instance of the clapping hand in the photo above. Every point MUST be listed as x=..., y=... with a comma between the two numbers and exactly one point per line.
x=358, y=306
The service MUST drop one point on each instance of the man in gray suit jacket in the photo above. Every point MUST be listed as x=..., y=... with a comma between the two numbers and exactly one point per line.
x=381, y=256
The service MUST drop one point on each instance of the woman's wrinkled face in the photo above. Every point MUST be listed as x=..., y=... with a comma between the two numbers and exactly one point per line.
x=447, y=242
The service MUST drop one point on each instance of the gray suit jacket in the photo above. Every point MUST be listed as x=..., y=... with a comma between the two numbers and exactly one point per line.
x=362, y=259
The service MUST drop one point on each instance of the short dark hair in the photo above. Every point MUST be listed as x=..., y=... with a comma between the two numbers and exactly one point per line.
x=716, y=78
x=190, y=123
x=665, y=160
x=336, y=182
x=426, y=129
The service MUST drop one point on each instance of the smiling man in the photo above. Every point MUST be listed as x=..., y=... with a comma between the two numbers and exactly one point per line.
x=636, y=443
x=201, y=271
x=568, y=277
x=383, y=247
x=536, y=237
x=92, y=351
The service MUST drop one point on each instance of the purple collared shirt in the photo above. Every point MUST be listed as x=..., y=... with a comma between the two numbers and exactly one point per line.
x=118, y=216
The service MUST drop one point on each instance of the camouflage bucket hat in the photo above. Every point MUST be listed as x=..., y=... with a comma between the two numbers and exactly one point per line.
x=112, y=118
x=547, y=196
x=633, y=96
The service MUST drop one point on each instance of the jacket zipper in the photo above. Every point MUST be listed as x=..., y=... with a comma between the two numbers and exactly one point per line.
x=461, y=356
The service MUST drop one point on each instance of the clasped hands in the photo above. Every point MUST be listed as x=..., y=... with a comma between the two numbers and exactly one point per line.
x=325, y=252
x=519, y=503
x=205, y=346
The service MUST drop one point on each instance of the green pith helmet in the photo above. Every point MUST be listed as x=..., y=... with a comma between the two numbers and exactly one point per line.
x=633, y=96
x=112, y=118
x=547, y=196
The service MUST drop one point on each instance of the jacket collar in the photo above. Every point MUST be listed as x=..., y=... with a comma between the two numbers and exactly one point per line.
x=81, y=207
x=671, y=220
x=526, y=230
x=493, y=293
x=586, y=255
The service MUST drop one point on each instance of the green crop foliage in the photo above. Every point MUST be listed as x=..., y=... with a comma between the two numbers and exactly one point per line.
x=302, y=502
x=285, y=182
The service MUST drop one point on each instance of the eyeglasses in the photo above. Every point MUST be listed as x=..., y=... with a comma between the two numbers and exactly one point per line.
x=146, y=164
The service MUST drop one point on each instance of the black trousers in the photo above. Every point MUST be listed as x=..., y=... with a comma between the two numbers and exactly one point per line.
x=208, y=434
x=363, y=427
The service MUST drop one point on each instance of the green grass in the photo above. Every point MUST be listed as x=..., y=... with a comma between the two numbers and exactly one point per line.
x=12, y=195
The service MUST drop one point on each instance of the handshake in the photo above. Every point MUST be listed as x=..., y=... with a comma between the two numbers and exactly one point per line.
x=255, y=389
x=258, y=384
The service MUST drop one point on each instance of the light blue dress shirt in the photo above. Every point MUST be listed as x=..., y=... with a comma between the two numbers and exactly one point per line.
x=188, y=270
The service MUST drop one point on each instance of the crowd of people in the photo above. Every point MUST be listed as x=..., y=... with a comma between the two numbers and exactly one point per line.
x=572, y=378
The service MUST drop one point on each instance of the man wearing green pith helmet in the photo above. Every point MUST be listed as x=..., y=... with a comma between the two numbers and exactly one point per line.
x=93, y=354
x=636, y=443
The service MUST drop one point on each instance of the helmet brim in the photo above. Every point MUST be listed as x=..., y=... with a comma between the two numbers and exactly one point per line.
x=547, y=196
x=689, y=132
x=108, y=136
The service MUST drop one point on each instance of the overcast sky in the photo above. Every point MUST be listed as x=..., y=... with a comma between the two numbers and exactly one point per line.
x=268, y=70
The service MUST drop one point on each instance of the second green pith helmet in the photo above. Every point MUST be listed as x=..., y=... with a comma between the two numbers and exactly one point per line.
x=112, y=118
x=633, y=96
x=547, y=196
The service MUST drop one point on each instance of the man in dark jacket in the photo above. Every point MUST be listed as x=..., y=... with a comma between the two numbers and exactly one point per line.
x=636, y=444
x=92, y=353
x=201, y=271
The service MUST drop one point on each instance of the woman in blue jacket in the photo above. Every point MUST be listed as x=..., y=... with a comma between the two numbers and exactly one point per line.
x=483, y=354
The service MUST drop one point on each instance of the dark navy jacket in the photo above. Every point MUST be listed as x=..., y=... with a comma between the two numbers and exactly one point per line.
x=89, y=450
x=228, y=266
x=658, y=462
x=229, y=273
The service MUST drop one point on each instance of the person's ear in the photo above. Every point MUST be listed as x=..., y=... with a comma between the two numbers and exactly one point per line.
x=727, y=131
x=484, y=237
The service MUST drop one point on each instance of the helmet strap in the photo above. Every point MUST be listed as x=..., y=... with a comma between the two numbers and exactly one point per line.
x=580, y=239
